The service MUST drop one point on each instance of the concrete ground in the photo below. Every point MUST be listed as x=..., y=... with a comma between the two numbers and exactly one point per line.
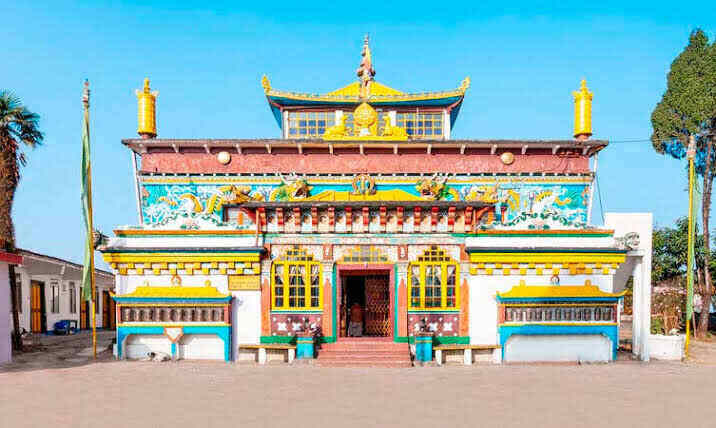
x=108, y=393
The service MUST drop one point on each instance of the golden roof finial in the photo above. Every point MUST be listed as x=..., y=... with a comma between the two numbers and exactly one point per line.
x=582, y=112
x=266, y=84
x=365, y=71
x=146, y=111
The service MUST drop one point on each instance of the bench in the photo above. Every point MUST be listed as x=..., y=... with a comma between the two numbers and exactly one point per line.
x=467, y=352
x=263, y=347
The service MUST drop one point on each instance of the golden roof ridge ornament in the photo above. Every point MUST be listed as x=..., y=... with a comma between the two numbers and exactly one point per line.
x=146, y=111
x=582, y=112
x=365, y=71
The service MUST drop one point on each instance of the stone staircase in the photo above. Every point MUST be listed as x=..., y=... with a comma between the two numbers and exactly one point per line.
x=364, y=352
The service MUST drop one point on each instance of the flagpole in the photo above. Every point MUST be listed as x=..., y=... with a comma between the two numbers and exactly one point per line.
x=93, y=302
x=690, y=258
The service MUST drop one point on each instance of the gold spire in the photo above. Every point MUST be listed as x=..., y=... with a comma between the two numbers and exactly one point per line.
x=582, y=112
x=365, y=71
x=146, y=111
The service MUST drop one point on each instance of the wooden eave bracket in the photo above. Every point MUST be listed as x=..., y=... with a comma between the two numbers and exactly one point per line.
x=176, y=148
x=524, y=148
x=554, y=149
x=238, y=148
x=206, y=148
x=493, y=150
x=268, y=148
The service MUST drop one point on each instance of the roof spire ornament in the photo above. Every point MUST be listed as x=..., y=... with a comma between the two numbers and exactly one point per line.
x=146, y=111
x=365, y=71
x=582, y=112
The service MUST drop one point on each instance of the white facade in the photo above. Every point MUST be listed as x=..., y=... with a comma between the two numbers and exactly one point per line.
x=60, y=275
x=5, y=321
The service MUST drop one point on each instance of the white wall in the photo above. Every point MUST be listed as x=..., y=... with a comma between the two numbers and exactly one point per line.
x=6, y=317
x=64, y=309
x=245, y=318
x=587, y=348
x=483, y=301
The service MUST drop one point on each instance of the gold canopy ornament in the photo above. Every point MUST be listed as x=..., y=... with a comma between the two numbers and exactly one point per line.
x=146, y=111
x=582, y=112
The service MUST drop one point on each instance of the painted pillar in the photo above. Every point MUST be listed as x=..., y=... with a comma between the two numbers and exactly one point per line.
x=424, y=347
x=327, y=318
x=402, y=306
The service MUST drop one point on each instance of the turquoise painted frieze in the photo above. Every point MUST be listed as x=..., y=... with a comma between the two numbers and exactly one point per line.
x=197, y=202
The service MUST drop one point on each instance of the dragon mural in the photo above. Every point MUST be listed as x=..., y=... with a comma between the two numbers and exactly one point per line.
x=167, y=203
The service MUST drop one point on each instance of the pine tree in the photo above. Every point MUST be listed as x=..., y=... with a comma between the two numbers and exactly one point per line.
x=688, y=107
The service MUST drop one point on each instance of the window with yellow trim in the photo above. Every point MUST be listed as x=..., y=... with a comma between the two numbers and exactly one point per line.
x=433, y=280
x=296, y=282
x=309, y=124
x=421, y=125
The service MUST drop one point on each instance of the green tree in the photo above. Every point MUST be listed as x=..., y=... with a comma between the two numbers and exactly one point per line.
x=688, y=108
x=18, y=127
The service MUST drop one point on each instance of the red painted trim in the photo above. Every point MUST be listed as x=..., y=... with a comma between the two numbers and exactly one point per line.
x=349, y=219
x=366, y=218
x=383, y=218
x=10, y=258
x=434, y=218
x=297, y=218
x=369, y=269
x=279, y=219
x=399, y=215
x=451, y=219
x=417, y=219
x=468, y=219
x=314, y=219
x=331, y=219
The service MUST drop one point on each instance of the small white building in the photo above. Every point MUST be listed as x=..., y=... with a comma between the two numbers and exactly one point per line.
x=49, y=290
x=6, y=259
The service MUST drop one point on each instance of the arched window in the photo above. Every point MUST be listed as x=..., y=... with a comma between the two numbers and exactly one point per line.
x=296, y=281
x=434, y=281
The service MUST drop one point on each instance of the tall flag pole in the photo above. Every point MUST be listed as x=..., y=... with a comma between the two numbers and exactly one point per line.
x=88, y=286
x=690, y=153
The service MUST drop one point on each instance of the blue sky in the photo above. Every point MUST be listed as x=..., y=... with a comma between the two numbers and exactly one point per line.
x=207, y=58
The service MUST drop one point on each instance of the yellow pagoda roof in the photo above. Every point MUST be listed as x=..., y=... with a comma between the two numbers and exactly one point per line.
x=377, y=89
x=587, y=290
x=175, y=292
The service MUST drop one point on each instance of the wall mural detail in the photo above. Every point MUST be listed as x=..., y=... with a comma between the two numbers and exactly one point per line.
x=169, y=203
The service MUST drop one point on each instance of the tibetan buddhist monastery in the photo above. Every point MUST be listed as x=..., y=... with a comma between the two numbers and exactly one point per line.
x=366, y=234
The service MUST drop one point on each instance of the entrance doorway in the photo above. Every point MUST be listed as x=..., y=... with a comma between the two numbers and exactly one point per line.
x=38, y=314
x=372, y=294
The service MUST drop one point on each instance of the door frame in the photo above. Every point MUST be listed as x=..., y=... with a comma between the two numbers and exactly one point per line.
x=43, y=305
x=343, y=270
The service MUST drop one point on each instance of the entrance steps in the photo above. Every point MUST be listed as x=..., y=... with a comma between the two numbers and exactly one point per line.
x=364, y=352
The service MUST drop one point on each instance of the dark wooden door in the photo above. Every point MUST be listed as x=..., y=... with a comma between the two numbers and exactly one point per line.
x=377, y=306
x=38, y=320
x=105, y=309
x=84, y=314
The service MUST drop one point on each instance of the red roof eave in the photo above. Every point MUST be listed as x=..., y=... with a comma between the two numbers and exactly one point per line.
x=10, y=258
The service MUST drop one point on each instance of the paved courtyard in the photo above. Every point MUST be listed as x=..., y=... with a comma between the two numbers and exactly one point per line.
x=112, y=393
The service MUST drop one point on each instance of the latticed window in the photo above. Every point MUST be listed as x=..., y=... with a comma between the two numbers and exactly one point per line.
x=433, y=280
x=296, y=281
x=421, y=125
x=309, y=124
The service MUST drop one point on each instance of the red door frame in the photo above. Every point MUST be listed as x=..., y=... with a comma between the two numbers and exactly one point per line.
x=343, y=270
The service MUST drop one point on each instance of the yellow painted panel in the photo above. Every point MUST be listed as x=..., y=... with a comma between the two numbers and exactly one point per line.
x=547, y=258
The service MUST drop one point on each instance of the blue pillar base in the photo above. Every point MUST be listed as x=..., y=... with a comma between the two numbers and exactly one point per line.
x=424, y=348
x=304, y=347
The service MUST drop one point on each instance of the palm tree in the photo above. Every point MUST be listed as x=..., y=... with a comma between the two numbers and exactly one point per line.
x=18, y=126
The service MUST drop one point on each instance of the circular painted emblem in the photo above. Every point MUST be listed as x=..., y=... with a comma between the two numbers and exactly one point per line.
x=507, y=158
x=223, y=158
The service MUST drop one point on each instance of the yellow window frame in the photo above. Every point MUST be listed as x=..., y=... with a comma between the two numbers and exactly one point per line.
x=423, y=263
x=307, y=263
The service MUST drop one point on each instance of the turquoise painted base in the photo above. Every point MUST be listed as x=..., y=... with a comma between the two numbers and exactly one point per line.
x=304, y=347
x=610, y=331
x=424, y=348
x=224, y=333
